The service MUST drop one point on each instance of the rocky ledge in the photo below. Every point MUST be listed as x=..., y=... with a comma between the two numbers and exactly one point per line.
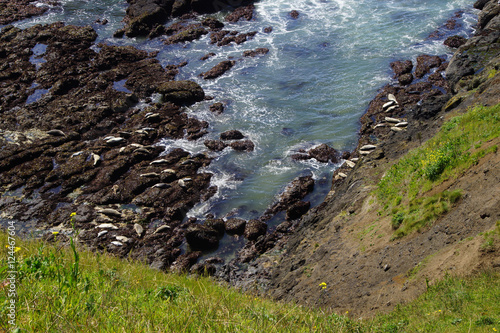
x=16, y=10
x=81, y=126
x=146, y=16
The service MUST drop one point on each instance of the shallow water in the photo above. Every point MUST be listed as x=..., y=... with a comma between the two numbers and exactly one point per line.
x=311, y=88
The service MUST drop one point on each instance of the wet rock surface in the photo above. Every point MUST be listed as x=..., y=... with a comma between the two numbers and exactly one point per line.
x=294, y=192
x=241, y=13
x=455, y=41
x=16, y=10
x=218, y=70
x=322, y=153
x=146, y=17
x=91, y=157
x=256, y=52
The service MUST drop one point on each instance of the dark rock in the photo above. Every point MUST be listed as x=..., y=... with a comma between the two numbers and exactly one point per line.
x=402, y=67
x=203, y=269
x=202, y=237
x=215, y=145
x=143, y=15
x=297, y=210
x=243, y=145
x=301, y=156
x=293, y=193
x=181, y=7
x=239, y=13
x=212, y=23
x=268, y=30
x=57, y=238
x=236, y=38
x=16, y=10
x=232, y=135
x=284, y=227
x=217, y=108
x=254, y=229
x=207, y=56
x=218, y=36
x=112, y=56
x=431, y=106
x=157, y=30
x=455, y=41
x=216, y=224
x=181, y=92
x=119, y=33
x=218, y=69
x=490, y=12
x=185, y=261
x=479, y=4
x=256, y=52
x=235, y=226
x=188, y=34
x=64, y=85
x=405, y=79
x=425, y=63
x=88, y=108
x=438, y=80
x=346, y=155
x=294, y=14
x=451, y=24
x=324, y=153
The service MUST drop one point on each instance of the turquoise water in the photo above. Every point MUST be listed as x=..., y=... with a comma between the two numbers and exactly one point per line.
x=311, y=88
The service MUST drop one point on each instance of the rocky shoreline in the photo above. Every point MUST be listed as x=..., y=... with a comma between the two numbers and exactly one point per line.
x=80, y=144
x=82, y=122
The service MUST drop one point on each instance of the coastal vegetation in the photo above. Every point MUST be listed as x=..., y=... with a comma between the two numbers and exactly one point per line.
x=66, y=289
x=461, y=143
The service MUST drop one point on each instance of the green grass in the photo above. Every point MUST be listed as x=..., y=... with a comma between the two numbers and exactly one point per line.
x=451, y=305
x=69, y=290
x=491, y=239
x=421, y=212
x=457, y=147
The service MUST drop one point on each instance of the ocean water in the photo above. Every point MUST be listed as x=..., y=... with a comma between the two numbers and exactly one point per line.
x=322, y=70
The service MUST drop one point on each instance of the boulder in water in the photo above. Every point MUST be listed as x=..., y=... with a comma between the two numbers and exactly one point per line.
x=181, y=92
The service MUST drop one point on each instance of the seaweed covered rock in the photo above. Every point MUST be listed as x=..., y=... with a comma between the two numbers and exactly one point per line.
x=235, y=226
x=254, y=229
x=218, y=70
x=202, y=237
x=181, y=92
x=143, y=15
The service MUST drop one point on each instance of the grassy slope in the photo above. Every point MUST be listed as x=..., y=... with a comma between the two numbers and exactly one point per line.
x=61, y=290
x=459, y=144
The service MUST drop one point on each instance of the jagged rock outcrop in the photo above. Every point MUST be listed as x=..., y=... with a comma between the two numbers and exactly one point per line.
x=144, y=16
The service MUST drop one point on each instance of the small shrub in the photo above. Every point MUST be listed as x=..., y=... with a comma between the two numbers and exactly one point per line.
x=484, y=321
x=397, y=220
x=168, y=293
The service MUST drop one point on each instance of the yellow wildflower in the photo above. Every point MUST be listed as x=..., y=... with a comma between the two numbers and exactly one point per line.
x=322, y=285
x=16, y=249
x=72, y=214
